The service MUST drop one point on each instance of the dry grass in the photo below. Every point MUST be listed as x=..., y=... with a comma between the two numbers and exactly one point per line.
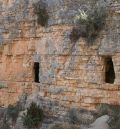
x=89, y=24
x=65, y=126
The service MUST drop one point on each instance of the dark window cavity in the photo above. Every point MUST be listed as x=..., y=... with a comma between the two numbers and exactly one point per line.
x=36, y=72
x=109, y=71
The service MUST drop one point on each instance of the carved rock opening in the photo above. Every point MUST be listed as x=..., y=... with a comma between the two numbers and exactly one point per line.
x=109, y=71
x=36, y=72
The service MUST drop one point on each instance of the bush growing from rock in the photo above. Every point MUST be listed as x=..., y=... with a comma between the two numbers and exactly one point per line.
x=5, y=126
x=81, y=116
x=33, y=117
x=4, y=123
x=89, y=24
x=41, y=12
x=13, y=111
x=9, y=115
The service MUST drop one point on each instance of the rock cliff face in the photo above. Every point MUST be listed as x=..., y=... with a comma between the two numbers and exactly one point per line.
x=69, y=76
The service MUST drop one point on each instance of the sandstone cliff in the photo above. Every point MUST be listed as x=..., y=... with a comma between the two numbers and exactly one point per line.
x=68, y=77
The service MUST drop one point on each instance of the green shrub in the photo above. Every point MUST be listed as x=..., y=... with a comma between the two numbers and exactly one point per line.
x=41, y=12
x=81, y=116
x=9, y=115
x=13, y=111
x=89, y=24
x=33, y=117
x=4, y=124
x=75, y=34
x=103, y=109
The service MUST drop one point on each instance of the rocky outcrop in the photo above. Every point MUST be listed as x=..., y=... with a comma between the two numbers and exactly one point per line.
x=70, y=75
x=101, y=123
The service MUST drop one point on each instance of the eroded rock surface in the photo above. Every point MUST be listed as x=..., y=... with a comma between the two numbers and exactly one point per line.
x=69, y=75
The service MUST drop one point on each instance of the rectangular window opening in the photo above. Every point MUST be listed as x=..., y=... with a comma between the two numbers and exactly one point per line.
x=36, y=72
x=109, y=70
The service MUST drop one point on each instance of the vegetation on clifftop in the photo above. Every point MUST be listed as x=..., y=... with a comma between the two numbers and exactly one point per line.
x=89, y=24
x=40, y=9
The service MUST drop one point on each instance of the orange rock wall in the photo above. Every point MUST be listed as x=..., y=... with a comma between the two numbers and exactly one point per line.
x=73, y=75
